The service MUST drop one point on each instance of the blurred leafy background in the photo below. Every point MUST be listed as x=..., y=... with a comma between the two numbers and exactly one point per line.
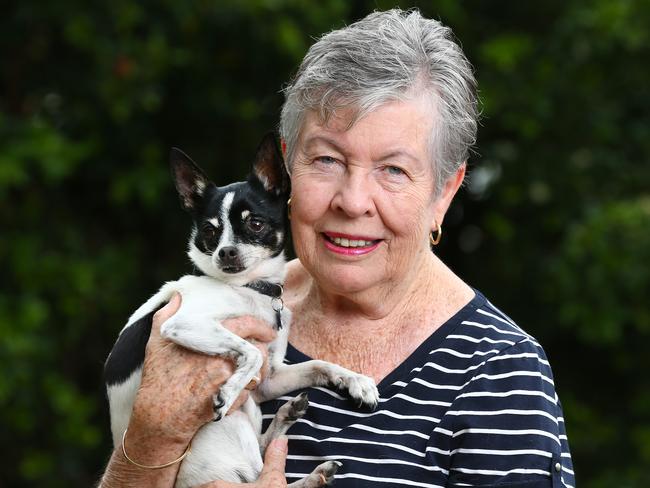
x=553, y=225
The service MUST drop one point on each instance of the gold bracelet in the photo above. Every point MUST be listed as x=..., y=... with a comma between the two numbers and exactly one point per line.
x=189, y=449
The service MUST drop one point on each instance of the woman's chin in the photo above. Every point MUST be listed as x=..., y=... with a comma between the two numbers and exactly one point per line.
x=346, y=278
x=343, y=275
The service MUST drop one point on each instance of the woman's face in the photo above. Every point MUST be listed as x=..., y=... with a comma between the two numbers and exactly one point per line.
x=362, y=205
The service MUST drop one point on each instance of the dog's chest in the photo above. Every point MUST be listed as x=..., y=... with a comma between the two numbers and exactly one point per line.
x=202, y=295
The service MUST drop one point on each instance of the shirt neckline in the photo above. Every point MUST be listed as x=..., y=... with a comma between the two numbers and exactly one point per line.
x=415, y=358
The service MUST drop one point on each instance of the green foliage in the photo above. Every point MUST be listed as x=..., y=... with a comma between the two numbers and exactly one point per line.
x=553, y=224
x=606, y=249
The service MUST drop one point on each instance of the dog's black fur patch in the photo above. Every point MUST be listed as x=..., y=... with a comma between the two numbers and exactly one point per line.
x=128, y=352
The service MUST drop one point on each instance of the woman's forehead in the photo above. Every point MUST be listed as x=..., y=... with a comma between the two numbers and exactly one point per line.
x=401, y=129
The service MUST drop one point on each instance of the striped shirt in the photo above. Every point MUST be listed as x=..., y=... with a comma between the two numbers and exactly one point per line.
x=474, y=405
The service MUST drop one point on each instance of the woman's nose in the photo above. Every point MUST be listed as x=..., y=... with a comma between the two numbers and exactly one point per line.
x=354, y=197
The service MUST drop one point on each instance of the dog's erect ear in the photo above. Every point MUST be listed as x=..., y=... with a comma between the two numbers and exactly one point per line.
x=268, y=168
x=190, y=180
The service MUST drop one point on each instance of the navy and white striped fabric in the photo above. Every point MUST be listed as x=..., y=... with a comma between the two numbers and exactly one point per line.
x=474, y=405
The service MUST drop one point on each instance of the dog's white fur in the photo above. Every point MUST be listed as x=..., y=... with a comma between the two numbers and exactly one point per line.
x=232, y=446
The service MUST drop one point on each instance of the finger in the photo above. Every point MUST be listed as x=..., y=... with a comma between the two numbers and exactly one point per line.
x=251, y=328
x=241, y=399
x=264, y=370
x=170, y=308
x=275, y=456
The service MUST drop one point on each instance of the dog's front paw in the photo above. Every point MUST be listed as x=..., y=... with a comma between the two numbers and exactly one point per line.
x=361, y=388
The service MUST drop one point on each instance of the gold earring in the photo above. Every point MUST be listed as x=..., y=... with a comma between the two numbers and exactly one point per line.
x=289, y=209
x=436, y=241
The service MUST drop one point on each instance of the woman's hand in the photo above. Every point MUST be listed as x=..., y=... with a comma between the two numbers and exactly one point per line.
x=175, y=395
x=174, y=400
x=272, y=475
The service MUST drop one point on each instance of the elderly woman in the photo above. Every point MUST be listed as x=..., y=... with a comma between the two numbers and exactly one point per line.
x=376, y=130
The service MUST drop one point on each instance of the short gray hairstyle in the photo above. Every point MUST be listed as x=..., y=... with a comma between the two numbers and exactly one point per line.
x=388, y=56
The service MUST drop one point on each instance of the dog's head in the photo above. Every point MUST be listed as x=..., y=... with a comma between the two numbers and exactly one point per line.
x=239, y=230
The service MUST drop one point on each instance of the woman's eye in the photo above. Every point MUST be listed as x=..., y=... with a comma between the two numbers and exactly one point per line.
x=256, y=225
x=326, y=159
x=394, y=170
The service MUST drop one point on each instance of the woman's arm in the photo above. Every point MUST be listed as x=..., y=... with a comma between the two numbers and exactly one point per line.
x=120, y=473
x=508, y=425
x=174, y=400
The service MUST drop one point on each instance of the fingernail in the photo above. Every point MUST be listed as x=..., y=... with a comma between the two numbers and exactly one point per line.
x=252, y=384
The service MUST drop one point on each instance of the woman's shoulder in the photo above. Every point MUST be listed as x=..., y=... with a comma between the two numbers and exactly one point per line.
x=483, y=330
x=296, y=281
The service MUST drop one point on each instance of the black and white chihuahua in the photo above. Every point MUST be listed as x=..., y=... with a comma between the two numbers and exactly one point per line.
x=236, y=244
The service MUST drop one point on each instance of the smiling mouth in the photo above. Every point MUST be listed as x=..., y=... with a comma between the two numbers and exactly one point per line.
x=350, y=242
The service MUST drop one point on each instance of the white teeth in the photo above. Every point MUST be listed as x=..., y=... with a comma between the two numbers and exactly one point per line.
x=343, y=242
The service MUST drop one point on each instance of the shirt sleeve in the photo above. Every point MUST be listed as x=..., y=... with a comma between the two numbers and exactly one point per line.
x=508, y=426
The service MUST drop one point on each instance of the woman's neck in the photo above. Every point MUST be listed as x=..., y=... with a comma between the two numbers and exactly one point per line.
x=374, y=331
x=380, y=302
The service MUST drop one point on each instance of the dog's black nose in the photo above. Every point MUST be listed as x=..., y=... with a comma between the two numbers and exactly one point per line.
x=229, y=255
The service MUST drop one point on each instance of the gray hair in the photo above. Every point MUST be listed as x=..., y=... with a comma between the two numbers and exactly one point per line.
x=388, y=56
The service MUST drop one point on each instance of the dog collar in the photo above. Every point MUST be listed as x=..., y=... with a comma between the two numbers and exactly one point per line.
x=274, y=291
x=267, y=288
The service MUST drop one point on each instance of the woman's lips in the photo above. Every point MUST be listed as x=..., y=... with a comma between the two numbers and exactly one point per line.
x=348, y=244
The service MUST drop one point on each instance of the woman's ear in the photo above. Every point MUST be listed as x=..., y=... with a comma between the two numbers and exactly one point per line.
x=447, y=193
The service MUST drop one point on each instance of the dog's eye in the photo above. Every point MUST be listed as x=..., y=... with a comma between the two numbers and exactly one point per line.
x=208, y=231
x=256, y=225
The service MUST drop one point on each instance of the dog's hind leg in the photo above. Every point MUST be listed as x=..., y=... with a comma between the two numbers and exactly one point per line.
x=206, y=335
x=321, y=476
x=284, y=418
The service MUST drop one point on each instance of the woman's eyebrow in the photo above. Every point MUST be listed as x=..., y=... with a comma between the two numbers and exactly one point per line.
x=316, y=139
x=398, y=153
x=395, y=153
